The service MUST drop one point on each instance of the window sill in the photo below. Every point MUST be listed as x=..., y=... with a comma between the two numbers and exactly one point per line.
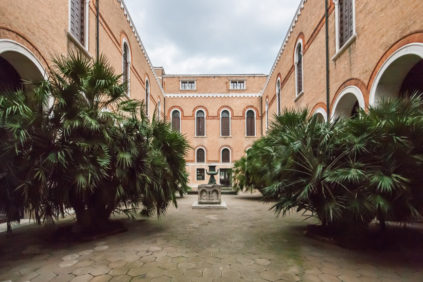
x=251, y=136
x=299, y=96
x=187, y=89
x=345, y=47
x=200, y=136
x=79, y=45
x=230, y=136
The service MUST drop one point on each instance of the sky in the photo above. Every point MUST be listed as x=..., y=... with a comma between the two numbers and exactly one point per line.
x=212, y=36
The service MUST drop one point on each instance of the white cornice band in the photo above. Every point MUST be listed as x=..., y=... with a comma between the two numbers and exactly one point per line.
x=213, y=95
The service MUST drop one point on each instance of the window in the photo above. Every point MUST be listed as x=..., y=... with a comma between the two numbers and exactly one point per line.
x=126, y=63
x=158, y=110
x=250, y=123
x=176, y=120
x=345, y=21
x=201, y=174
x=299, y=67
x=188, y=85
x=226, y=155
x=278, y=96
x=225, y=123
x=147, y=95
x=267, y=114
x=237, y=85
x=200, y=123
x=201, y=155
x=79, y=20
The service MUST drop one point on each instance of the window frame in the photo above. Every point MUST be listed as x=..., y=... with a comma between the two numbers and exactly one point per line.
x=246, y=123
x=180, y=119
x=205, y=122
x=147, y=96
x=125, y=42
x=339, y=48
x=230, y=123
x=221, y=155
x=203, y=174
x=296, y=62
x=86, y=24
x=182, y=81
x=196, y=155
x=278, y=95
x=238, y=81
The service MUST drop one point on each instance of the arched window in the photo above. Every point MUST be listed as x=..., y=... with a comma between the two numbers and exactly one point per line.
x=250, y=120
x=126, y=66
x=267, y=114
x=200, y=123
x=176, y=120
x=158, y=110
x=299, y=68
x=200, y=155
x=225, y=123
x=226, y=155
x=278, y=96
x=147, y=96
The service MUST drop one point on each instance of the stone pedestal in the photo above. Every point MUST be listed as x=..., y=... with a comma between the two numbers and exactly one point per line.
x=209, y=197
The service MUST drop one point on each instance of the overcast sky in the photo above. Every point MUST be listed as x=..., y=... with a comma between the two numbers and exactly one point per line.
x=212, y=36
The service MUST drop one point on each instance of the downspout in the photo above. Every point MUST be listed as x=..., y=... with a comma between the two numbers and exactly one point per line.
x=327, y=61
x=98, y=28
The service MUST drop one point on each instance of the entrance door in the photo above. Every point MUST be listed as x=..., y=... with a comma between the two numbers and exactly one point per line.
x=226, y=176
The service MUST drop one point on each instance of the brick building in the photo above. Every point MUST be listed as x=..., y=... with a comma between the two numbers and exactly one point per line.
x=375, y=51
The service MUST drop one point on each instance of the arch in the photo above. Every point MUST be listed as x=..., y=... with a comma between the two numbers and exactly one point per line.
x=175, y=119
x=298, y=63
x=346, y=102
x=225, y=154
x=225, y=122
x=200, y=154
x=169, y=112
x=389, y=78
x=126, y=65
x=250, y=122
x=147, y=96
x=200, y=122
x=200, y=107
x=321, y=114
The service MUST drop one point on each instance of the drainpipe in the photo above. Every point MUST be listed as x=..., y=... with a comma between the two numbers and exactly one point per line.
x=98, y=28
x=327, y=61
x=261, y=114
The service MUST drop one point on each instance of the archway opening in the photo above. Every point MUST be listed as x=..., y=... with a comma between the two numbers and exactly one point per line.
x=18, y=72
x=347, y=107
x=403, y=77
x=319, y=117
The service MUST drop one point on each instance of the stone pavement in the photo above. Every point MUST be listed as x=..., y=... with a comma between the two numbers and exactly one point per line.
x=246, y=242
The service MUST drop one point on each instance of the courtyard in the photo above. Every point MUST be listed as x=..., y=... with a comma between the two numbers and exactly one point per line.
x=243, y=243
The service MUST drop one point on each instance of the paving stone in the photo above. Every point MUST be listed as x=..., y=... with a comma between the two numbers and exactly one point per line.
x=82, y=278
x=121, y=278
x=101, y=248
x=139, y=271
x=262, y=261
x=70, y=257
x=44, y=277
x=68, y=263
x=101, y=278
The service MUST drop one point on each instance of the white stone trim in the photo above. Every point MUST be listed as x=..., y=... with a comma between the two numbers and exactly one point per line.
x=86, y=24
x=230, y=155
x=267, y=113
x=348, y=90
x=255, y=122
x=321, y=111
x=230, y=122
x=205, y=122
x=409, y=49
x=212, y=95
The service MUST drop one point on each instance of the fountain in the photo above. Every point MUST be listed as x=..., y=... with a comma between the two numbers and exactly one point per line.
x=210, y=195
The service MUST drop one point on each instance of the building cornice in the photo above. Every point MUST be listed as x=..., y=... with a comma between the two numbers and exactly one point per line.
x=214, y=75
x=284, y=43
x=212, y=95
x=138, y=38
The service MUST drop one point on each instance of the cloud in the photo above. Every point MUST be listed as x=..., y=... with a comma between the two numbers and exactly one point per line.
x=212, y=36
